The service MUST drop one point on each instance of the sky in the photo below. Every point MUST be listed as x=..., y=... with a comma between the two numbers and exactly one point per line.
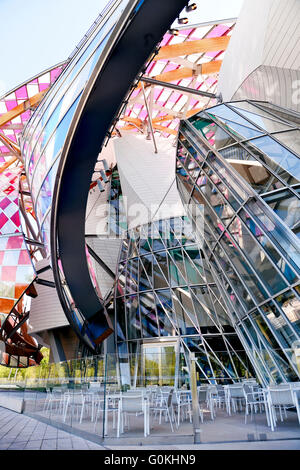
x=36, y=34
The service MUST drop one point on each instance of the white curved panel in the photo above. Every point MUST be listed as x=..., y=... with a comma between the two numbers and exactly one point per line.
x=263, y=57
x=147, y=179
x=46, y=312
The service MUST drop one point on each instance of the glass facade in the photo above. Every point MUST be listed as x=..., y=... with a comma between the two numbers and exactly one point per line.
x=45, y=135
x=42, y=144
x=238, y=173
x=165, y=293
x=16, y=268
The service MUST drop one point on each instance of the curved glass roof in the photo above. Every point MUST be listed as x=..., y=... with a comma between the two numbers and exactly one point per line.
x=192, y=59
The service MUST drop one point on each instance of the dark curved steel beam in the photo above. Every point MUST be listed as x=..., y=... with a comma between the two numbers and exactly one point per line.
x=134, y=38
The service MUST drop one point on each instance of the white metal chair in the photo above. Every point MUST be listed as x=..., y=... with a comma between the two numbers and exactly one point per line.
x=254, y=401
x=181, y=402
x=281, y=398
x=234, y=396
x=211, y=395
x=220, y=398
x=201, y=399
x=110, y=405
x=73, y=402
x=132, y=404
x=58, y=394
x=53, y=401
x=49, y=400
x=164, y=405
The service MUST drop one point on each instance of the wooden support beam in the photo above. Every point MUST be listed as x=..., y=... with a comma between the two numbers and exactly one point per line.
x=166, y=117
x=13, y=126
x=136, y=121
x=157, y=120
x=191, y=112
x=185, y=72
x=193, y=47
x=6, y=154
x=7, y=164
x=11, y=145
x=207, y=68
x=127, y=128
x=167, y=130
x=21, y=108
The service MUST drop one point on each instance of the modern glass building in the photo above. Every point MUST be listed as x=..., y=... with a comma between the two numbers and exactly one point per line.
x=166, y=300
x=149, y=228
x=217, y=278
x=238, y=172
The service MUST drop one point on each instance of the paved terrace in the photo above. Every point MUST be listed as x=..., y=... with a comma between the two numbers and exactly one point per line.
x=21, y=432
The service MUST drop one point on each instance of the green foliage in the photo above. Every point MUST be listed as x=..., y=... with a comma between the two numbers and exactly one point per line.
x=29, y=372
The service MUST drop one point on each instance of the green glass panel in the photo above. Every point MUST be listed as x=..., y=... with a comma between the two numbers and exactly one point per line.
x=176, y=267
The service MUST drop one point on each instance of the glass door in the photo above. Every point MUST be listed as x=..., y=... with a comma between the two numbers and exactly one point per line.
x=160, y=363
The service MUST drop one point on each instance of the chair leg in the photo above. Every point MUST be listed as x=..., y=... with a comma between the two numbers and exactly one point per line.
x=190, y=411
x=95, y=416
x=297, y=409
x=211, y=405
x=147, y=413
x=200, y=413
x=280, y=413
x=271, y=416
x=246, y=412
x=119, y=422
x=170, y=419
x=82, y=410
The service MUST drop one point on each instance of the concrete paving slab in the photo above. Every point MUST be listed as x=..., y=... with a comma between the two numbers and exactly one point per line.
x=34, y=444
x=23, y=432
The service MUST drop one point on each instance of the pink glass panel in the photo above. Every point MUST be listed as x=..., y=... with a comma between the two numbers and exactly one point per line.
x=10, y=104
x=21, y=93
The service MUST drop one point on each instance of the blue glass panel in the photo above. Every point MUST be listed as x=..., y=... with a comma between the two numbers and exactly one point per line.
x=254, y=253
x=148, y=316
x=195, y=269
x=145, y=267
x=183, y=306
x=160, y=270
x=277, y=352
x=290, y=304
x=45, y=195
x=233, y=279
x=276, y=231
x=176, y=267
x=132, y=277
x=286, y=206
x=121, y=323
x=240, y=132
x=279, y=154
x=244, y=270
x=60, y=136
x=280, y=327
x=263, y=121
x=163, y=305
x=262, y=354
x=133, y=317
x=45, y=229
x=226, y=114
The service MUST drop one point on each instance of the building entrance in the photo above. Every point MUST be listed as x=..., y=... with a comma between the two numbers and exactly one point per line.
x=160, y=363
